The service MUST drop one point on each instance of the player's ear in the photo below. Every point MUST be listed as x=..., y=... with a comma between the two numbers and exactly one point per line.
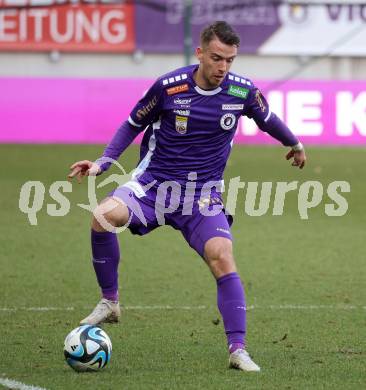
x=199, y=54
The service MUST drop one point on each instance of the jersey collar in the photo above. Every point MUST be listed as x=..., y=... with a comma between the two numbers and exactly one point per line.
x=209, y=92
x=204, y=92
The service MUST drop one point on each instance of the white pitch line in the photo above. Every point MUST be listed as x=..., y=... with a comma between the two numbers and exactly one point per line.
x=165, y=307
x=11, y=384
x=314, y=307
x=36, y=308
x=252, y=307
x=172, y=307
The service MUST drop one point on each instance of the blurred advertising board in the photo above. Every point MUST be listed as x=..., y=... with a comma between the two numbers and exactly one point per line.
x=157, y=26
x=31, y=25
x=42, y=110
x=255, y=24
x=268, y=29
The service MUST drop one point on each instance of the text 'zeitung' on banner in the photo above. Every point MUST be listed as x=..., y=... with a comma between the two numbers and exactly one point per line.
x=36, y=25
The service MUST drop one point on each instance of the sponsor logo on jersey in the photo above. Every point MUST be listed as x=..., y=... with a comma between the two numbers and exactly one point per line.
x=232, y=107
x=260, y=100
x=241, y=92
x=182, y=112
x=227, y=121
x=182, y=102
x=142, y=112
x=178, y=89
x=181, y=123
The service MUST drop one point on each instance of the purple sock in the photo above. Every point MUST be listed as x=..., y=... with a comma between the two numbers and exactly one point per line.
x=105, y=249
x=231, y=303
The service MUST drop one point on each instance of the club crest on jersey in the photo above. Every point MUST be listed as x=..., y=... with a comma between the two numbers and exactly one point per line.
x=181, y=123
x=177, y=89
x=227, y=121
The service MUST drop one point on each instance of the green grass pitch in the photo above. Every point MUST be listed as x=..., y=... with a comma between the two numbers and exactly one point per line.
x=305, y=284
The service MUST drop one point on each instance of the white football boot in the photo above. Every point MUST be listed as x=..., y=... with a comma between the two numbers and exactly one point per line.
x=105, y=311
x=241, y=360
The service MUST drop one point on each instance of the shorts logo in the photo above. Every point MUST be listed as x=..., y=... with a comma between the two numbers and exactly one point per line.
x=241, y=92
x=230, y=107
x=224, y=231
x=207, y=202
x=181, y=123
x=227, y=121
x=178, y=89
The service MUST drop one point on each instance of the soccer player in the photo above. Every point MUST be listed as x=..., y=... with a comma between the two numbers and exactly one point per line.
x=189, y=117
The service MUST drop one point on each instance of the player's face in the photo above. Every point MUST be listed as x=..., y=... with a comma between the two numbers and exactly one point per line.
x=215, y=61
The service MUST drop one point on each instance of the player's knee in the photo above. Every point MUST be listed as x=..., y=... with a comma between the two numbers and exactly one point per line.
x=219, y=249
x=96, y=225
x=219, y=256
x=101, y=221
x=109, y=213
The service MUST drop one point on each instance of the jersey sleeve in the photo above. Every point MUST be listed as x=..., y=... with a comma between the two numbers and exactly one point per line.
x=148, y=108
x=119, y=143
x=258, y=109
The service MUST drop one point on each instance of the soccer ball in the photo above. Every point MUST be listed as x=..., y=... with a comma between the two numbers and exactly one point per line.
x=87, y=348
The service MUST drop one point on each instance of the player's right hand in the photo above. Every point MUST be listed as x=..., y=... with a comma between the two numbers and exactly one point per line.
x=83, y=168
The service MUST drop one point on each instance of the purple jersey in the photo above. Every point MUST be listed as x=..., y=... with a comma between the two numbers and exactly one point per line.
x=190, y=129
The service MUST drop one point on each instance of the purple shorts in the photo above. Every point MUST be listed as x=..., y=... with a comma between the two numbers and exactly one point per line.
x=197, y=219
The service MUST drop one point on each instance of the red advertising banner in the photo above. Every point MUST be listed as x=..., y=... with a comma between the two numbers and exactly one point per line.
x=77, y=27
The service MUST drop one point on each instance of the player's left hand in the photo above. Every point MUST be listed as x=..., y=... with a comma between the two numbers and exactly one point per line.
x=299, y=157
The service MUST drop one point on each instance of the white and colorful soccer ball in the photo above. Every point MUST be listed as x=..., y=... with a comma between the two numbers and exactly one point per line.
x=87, y=348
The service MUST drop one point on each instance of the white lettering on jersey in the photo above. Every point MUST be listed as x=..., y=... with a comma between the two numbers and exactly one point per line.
x=182, y=112
x=232, y=106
